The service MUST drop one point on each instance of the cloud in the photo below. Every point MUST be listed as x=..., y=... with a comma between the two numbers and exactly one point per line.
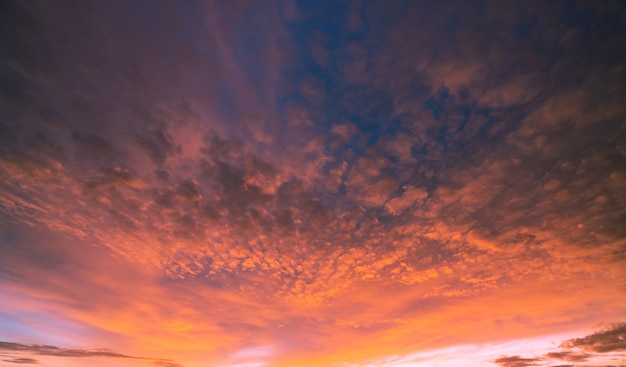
x=92, y=146
x=410, y=196
x=22, y=360
x=613, y=338
x=158, y=144
x=589, y=349
x=49, y=350
x=516, y=361
x=53, y=351
x=568, y=356
x=164, y=363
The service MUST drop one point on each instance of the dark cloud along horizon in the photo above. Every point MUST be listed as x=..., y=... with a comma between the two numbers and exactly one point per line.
x=49, y=350
x=611, y=339
x=569, y=356
x=22, y=360
x=8, y=348
x=516, y=361
x=578, y=350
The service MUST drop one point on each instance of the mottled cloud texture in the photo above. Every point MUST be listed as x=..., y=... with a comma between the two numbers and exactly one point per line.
x=260, y=183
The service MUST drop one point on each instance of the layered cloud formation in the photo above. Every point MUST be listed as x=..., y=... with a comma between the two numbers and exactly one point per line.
x=253, y=183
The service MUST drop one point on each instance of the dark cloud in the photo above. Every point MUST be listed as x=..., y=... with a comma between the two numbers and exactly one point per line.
x=91, y=146
x=162, y=175
x=188, y=190
x=110, y=177
x=158, y=144
x=568, y=356
x=577, y=350
x=49, y=350
x=166, y=363
x=611, y=339
x=516, y=361
x=52, y=351
x=22, y=360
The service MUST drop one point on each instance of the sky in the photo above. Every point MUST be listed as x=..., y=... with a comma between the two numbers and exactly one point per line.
x=312, y=183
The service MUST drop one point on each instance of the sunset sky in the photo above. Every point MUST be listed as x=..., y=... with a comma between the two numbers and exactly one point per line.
x=196, y=183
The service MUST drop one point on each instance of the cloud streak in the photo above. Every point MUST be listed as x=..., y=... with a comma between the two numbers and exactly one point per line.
x=49, y=350
x=15, y=350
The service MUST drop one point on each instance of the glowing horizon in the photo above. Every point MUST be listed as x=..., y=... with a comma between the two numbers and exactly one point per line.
x=312, y=184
